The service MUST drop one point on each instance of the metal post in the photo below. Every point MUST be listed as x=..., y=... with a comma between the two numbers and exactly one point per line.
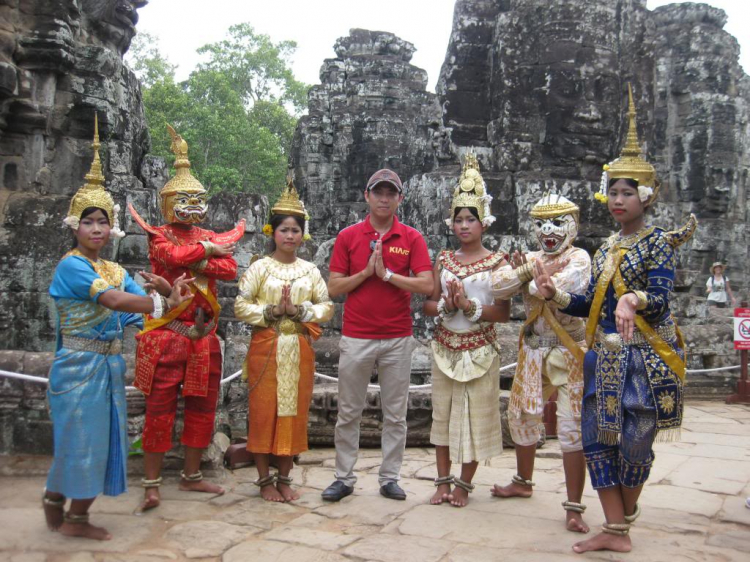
x=743, y=385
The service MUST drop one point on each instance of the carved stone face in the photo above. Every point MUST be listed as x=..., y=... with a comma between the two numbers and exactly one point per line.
x=114, y=20
x=556, y=234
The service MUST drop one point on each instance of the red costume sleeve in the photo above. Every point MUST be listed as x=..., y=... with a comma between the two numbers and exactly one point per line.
x=172, y=256
x=221, y=267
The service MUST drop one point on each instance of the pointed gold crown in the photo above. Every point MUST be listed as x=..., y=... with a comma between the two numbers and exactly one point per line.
x=183, y=179
x=630, y=164
x=92, y=194
x=470, y=191
x=289, y=203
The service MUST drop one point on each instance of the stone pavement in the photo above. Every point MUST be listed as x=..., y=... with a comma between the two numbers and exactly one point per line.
x=693, y=509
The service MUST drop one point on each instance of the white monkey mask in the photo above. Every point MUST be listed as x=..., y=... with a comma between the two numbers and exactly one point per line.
x=555, y=223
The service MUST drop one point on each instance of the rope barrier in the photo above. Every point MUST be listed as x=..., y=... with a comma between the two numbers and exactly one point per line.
x=233, y=376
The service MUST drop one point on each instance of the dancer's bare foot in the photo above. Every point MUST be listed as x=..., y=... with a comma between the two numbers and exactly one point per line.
x=151, y=499
x=270, y=493
x=287, y=492
x=84, y=530
x=604, y=541
x=460, y=497
x=512, y=490
x=442, y=494
x=54, y=509
x=574, y=522
x=201, y=486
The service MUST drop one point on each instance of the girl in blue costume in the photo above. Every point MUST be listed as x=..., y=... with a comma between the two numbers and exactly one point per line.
x=95, y=301
x=634, y=369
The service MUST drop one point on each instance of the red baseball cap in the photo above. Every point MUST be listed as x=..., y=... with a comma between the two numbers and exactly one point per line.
x=385, y=176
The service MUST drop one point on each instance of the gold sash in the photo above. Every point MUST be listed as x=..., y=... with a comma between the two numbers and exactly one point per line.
x=541, y=308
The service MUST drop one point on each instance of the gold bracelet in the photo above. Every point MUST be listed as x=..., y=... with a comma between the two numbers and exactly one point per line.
x=525, y=273
x=642, y=300
x=561, y=298
x=210, y=247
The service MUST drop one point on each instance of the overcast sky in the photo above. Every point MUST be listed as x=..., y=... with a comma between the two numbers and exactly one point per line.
x=184, y=26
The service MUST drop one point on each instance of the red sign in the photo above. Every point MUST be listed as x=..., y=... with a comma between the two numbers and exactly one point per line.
x=742, y=328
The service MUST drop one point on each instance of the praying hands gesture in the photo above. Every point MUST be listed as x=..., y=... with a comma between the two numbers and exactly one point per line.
x=455, y=298
x=377, y=255
x=285, y=306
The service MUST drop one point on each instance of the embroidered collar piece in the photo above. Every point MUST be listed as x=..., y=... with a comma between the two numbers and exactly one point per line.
x=460, y=270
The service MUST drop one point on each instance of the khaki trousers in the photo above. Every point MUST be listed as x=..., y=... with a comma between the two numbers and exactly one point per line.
x=356, y=362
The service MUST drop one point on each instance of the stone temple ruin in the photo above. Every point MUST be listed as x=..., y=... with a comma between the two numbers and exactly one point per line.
x=534, y=87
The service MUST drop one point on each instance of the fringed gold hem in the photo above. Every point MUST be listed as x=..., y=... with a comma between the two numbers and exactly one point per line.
x=608, y=437
x=673, y=435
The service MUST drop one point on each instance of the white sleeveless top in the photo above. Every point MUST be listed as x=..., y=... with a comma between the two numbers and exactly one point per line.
x=463, y=349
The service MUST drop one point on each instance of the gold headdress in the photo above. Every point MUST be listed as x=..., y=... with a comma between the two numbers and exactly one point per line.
x=185, y=183
x=630, y=164
x=93, y=194
x=553, y=205
x=289, y=203
x=472, y=192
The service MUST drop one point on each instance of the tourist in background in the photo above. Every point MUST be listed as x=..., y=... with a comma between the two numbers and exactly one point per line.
x=466, y=426
x=550, y=353
x=371, y=265
x=635, y=367
x=717, y=288
x=285, y=299
x=95, y=301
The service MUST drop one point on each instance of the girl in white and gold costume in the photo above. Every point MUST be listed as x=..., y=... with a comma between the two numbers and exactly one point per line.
x=465, y=368
x=285, y=299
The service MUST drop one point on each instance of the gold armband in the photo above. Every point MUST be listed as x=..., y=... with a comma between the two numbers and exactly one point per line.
x=98, y=286
x=201, y=265
x=561, y=298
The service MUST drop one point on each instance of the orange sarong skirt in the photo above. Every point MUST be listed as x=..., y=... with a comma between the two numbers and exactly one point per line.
x=267, y=432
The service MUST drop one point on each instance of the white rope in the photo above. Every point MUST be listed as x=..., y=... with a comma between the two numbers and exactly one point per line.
x=230, y=378
x=716, y=370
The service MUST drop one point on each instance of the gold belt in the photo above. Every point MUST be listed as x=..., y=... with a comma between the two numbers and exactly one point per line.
x=191, y=332
x=535, y=342
x=112, y=347
x=614, y=343
x=285, y=326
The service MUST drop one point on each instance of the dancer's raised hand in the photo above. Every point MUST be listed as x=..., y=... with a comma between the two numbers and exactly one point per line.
x=517, y=259
x=543, y=280
x=156, y=283
x=180, y=291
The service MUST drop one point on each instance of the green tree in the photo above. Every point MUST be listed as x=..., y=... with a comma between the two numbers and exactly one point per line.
x=258, y=68
x=237, y=111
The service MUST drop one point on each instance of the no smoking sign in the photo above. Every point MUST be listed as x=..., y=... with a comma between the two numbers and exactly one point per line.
x=742, y=328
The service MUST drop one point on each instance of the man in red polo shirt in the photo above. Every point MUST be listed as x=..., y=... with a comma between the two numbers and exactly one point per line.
x=371, y=264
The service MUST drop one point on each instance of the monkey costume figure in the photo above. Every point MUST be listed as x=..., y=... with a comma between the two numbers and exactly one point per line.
x=550, y=356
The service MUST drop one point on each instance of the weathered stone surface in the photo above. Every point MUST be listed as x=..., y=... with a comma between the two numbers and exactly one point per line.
x=395, y=548
x=677, y=521
x=201, y=539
